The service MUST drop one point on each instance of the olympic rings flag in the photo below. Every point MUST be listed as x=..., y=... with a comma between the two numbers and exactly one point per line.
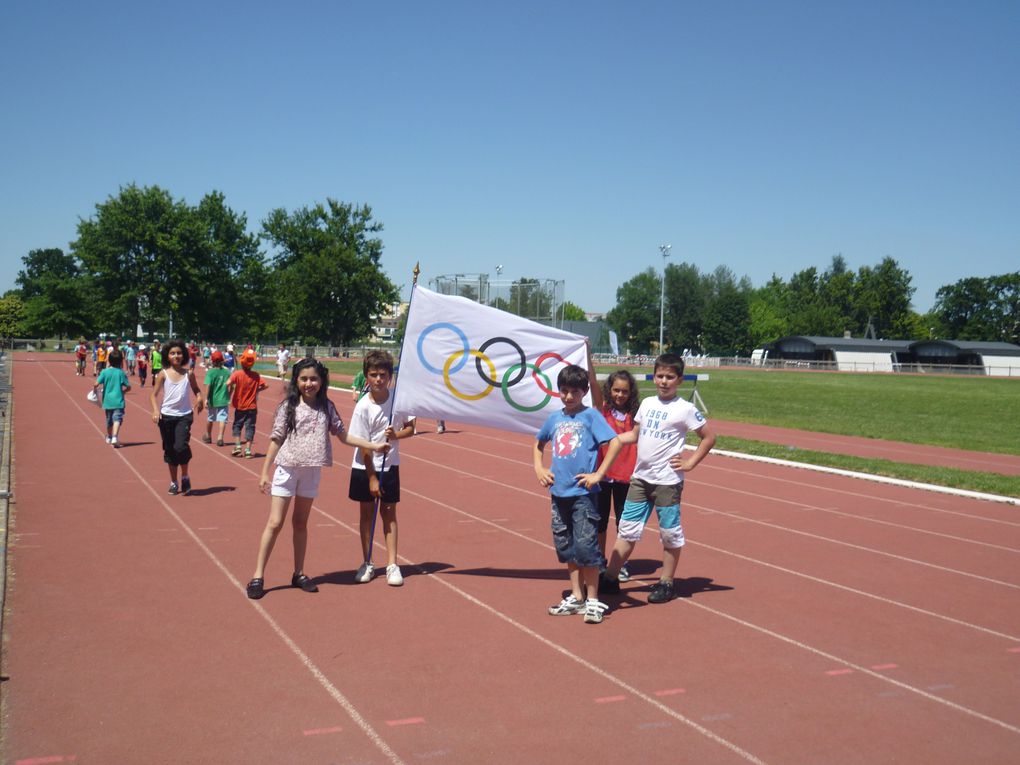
x=470, y=363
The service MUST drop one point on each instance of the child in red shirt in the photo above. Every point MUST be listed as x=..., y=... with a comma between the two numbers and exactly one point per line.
x=244, y=386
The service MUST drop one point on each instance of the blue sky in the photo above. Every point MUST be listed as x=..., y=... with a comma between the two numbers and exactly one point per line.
x=561, y=140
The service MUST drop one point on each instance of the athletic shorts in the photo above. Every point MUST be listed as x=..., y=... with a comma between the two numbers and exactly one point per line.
x=389, y=482
x=113, y=415
x=217, y=413
x=575, y=522
x=291, y=481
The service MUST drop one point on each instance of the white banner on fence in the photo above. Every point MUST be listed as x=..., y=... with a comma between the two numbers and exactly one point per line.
x=471, y=363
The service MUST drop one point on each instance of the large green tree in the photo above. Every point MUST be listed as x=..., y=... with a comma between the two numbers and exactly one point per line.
x=54, y=294
x=328, y=281
x=980, y=308
x=150, y=259
x=635, y=317
x=883, y=295
x=12, y=315
x=687, y=293
x=727, y=316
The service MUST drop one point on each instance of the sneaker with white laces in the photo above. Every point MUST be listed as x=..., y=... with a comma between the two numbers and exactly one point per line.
x=593, y=611
x=567, y=607
x=115, y=442
x=624, y=575
x=109, y=439
x=393, y=576
x=365, y=572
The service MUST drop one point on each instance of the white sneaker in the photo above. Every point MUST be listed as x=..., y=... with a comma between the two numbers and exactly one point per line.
x=115, y=442
x=365, y=573
x=393, y=576
x=109, y=440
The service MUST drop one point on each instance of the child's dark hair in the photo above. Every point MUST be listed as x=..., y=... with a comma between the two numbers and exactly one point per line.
x=631, y=406
x=177, y=344
x=376, y=359
x=573, y=376
x=115, y=359
x=293, y=395
x=672, y=361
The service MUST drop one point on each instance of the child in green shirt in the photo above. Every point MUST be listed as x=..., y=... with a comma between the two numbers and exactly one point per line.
x=219, y=399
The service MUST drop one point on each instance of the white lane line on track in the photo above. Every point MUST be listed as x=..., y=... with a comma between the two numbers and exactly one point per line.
x=867, y=519
x=855, y=591
x=858, y=667
x=853, y=546
x=745, y=473
x=749, y=625
x=305, y=660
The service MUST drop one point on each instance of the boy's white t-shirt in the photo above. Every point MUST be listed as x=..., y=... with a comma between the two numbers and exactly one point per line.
x=664, y=426
x=370, y=421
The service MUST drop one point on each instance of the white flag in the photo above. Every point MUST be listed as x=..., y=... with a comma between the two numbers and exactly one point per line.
x=467, y=362
x=614, y=344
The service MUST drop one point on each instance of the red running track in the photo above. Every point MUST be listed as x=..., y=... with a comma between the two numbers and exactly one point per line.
x=824, y=619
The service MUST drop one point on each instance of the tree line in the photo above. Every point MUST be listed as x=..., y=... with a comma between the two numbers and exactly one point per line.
x=717, y=313
x=311, y=275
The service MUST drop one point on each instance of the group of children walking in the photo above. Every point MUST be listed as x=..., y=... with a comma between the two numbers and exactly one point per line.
x=621, y=457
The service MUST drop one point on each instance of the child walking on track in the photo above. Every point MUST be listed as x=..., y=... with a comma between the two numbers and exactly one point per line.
x=142, y=361
x=617, y=399
x=217, y=398
x=244, y=386
x=114, y=383
x=376, y=477
x=576, y=432
x=300, y=446
x=661, y=424
x=176, y=413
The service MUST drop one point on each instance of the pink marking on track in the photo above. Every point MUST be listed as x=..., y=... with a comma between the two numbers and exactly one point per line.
x=834, y=672
x=670, y=692
x=609, y=699
x=406, y=721
x=1014, y=650
x=46, y=760
x=320, y=731
x=884, y=666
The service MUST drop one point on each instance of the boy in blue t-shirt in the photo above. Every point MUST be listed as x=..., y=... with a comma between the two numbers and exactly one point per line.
x=576, y=433
x=114, y=383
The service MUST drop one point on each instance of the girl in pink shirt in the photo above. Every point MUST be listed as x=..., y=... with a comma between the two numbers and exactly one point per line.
x=300, y=446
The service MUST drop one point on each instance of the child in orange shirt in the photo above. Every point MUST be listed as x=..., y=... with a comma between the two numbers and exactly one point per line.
x=244, y=386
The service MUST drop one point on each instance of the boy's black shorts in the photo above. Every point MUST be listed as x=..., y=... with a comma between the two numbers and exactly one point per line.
x=389, y=482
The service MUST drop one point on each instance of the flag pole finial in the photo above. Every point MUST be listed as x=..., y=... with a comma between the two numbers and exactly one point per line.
x=416, y=271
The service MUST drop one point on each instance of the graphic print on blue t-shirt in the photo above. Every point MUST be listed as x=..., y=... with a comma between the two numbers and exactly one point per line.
x=575, y=443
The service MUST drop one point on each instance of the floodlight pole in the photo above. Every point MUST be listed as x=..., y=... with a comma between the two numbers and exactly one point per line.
x=664, y=249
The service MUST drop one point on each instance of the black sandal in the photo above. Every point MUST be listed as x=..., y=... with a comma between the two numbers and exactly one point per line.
x=302, y=581
x=255, y=590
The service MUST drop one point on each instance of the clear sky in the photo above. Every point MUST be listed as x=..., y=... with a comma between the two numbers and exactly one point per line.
x=562, y=140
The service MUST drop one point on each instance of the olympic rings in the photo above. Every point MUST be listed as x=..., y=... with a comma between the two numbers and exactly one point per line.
x=453, y=328
x=506, y=388
x=511, y=377
x=546, y=389
x=449, y=383
x=520, y=352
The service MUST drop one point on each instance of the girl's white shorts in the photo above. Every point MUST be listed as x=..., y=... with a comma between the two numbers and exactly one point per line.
x=296, y=481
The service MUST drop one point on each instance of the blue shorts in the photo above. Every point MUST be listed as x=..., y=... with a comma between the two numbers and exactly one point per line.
x=575, y=525
x=217, y=413
x=113, y=415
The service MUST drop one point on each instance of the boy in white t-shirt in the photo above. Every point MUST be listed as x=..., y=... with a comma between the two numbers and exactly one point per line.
x=376, y=477
x=662, y=423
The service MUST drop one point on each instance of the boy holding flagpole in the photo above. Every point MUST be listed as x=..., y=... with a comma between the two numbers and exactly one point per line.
x=375, y=477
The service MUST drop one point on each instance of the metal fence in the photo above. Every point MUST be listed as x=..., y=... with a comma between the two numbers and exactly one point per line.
x=536, y=299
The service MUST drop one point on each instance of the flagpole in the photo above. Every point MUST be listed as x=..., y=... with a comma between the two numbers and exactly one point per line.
x=393, y=407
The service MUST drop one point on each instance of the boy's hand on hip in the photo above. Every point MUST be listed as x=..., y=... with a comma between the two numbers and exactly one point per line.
x=587, y=480
x=545, y=477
